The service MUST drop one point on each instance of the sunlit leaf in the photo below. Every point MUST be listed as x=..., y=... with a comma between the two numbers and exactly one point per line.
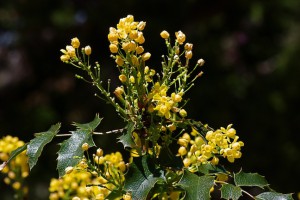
x=141, y=177
x=36, y=145
x=274, y=196
x=249, y=179
x=70, y=150
x=196, y=187
x=229, y=191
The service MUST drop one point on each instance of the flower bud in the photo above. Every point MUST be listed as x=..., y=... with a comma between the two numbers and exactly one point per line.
x=188, y=54
x=200, y=62
x=69, y=169
x=99, y=152
x=87, y=50
x=113, y=48
x=85, y=146
x=180, y=37
x=182, y=113
x=164, y=34
x=146, y=56
x=75, y=42
x=141, y=25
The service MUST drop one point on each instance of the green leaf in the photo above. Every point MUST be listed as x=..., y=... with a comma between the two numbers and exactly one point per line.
x=196, y=187
x=229, y=191
x=36, y=145
x=115, y=194
x=141, y=177
x=71, y=152
x=274, y=196
x=13, y=154
x=249, y=179
x=209, y=168
x=91, y=126
x=126, y=139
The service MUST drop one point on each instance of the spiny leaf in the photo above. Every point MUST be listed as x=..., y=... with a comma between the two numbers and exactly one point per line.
x=70, y=151
x=249, y=179
x=126, y=139
x=209, y=168
x=274, y=196
x=141, y=177
x=229, y=191
x=36, y=145
x=196, y=187
x=13, y=154
x=91, y=126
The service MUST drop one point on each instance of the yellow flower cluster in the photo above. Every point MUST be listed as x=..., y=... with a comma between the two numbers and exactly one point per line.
x=85, y=183
x=16, y=170
x=164, y=104
x=222, y=142
x=70, y=53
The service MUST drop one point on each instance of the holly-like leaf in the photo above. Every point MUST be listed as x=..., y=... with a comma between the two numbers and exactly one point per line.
x=196, y=187
x=91, y=126
x=13, y=154
x=274, y=196
x=209, y=168
x=229, y=191
x=141, y=177
x=249, y=179
x=70, y=150
x=126, y=138
x=36, y=145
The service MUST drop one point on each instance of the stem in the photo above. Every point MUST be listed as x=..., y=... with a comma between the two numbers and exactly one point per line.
x=94, y=133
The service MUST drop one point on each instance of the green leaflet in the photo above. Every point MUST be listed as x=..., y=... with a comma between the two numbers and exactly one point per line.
x=70, y=151
x=274, y=196
x=13, y=154
x=126, y=139
x=249, y=179
x=91, y=126
x=196, y=187
x=141, y=177
x=36, y=145
x=229, y=191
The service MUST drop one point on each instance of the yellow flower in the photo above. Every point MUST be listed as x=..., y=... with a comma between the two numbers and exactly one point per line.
x=146, y=56
x=113, y=35
x=85, y=146
x=119, y=61
x=122, y=78
x=180, y=37
x=188, y=47
x=139, y=49
x=65, y=58
x=87, y=50
x=200, y=62
x=164, y=34
x=182, y=113
x=113, y=48
x=141, y=25
x=75, y=42
x=188, y=54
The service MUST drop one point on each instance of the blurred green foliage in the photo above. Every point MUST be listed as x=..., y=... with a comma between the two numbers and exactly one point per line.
x=250, y=80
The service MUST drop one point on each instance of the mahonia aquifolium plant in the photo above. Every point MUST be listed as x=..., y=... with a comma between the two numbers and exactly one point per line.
x=152, y=105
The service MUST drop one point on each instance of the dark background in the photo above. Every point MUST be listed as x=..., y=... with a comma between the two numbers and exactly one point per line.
x=251, y=75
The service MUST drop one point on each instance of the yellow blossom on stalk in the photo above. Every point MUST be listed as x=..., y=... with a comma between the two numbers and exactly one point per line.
x=80, y=183
x=221, y=142
x=17, y=169
x=180, y=37
x=164, y=34
x=87, y=50
x=75, y=42
x=113, y=48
